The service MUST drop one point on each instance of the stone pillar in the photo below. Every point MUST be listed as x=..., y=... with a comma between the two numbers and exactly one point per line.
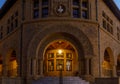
x=18, y=70
x=5, y=71
x=87, y=66
x=34, y=67
x=114, y=71
x=29, y=67
x=88, y=75
x=41, y=67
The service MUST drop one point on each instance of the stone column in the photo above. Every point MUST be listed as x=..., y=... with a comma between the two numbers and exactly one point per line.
x=18, y=70
x=29, y=67
x=34, y=67
x=87, y=66
x=41, y=67
x=5, y=70
x=88, y=75
x=114, y=71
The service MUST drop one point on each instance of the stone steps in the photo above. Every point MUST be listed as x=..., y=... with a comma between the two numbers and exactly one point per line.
x=55, y=80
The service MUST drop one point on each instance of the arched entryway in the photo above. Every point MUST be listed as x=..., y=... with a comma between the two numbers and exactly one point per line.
x=11, y=62
x=118, y=65
x=1, y=66
x=108, y=63
x=60, y=55
x=39, y=48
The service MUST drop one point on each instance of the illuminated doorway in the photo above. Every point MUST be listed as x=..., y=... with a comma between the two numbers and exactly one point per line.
x=1, y=66
x=107, y=65
x=118, y=66
x=60, y=55
x=12, y=65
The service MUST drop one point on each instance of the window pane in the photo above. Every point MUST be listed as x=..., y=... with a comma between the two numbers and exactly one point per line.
x=36, y=13
x=16, y=22
x=69, y=55
x=84, y=14
x=76, y=2
x=68, y=65
x=44, y=2
x=76, y=12
x=59, y=64
x=50, y=55
x=45, y=12
x=36, y=3
x=104, y=24
x=51, y=65
x=60, y=55
x=84, y=4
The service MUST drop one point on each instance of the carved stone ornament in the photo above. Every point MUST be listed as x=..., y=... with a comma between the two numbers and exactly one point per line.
x=60, y=9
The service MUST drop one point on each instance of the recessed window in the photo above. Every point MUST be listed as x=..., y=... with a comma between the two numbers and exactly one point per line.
x=118, y=33
x=16, y=23
x=36, y=3
x=107, y=23
x=84, y=4
x=8, y=30
x=11, y=26
x=16, y=13
x=1, y=32
x=104, y=24
x=45, y=8
x=76, y=2
x=80, y=9
x=36, y=13
x=45, y=12
x=35, y=9
x=12, y=17
x=44, y=2
x=76, y=13
x=84, y=14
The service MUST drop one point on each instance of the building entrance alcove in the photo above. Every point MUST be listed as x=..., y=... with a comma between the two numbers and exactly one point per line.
x=118, y=66
x=11, y=61
x=60, y=55
x=108, y=63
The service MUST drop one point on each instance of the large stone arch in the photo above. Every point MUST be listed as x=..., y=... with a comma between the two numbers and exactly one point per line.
x=50, y=32
x=11, y=62
x=108, y=63
x=67, y=32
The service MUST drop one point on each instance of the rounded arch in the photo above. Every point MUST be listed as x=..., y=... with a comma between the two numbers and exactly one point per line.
x=118, y=65
x=108, y=63
x=56, y=36
x=65, y=31
x=75, y=36
x=110, y=53
x=60, y=53
x=11, y=62
x=1, y=65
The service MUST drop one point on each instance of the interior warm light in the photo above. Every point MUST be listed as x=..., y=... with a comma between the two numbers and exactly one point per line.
x=60, y=51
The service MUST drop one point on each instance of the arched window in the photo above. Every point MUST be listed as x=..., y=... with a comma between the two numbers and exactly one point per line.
x=107, y=65
x=118, y=66
x=1, y=66
x=60, y=56
x=12, y=65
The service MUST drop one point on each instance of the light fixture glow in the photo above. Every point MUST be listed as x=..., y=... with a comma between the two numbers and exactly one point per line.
x=60, y=51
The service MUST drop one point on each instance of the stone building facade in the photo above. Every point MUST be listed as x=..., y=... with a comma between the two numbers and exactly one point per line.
x=39, y=38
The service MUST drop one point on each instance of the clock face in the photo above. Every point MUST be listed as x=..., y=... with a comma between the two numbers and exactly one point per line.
x=60, y=9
